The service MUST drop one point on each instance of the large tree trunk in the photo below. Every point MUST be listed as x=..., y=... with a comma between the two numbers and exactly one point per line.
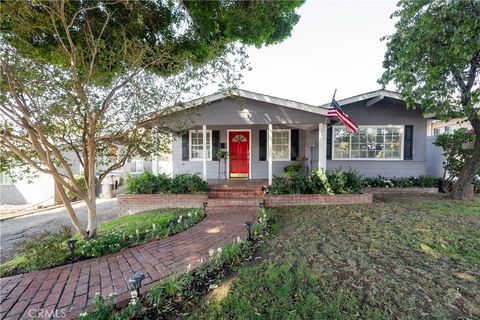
x=91, y=188
x=471, y=167
x=70, y=211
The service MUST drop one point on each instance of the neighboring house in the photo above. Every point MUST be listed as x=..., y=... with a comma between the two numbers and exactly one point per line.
x=263, y=134
x=435, y=157
x=436, y=127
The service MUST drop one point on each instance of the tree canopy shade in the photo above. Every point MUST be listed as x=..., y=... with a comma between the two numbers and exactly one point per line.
x=434, y=59
x=193, y=32
x=78, y=76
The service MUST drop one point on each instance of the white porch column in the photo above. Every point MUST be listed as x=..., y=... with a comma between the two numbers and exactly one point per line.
x=322, y=146
x=154, y=155
x=204, y=152
x=154, y=164
x=269, y=153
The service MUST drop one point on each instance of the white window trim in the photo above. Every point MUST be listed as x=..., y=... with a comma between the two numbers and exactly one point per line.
x=289, y=144
x=135, y=172
x=209, y=132
x=370, y=159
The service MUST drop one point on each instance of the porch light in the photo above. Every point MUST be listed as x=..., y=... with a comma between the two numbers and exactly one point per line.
x=135, y=282
x=71, y=245
x=249, y=224
x=205, y=204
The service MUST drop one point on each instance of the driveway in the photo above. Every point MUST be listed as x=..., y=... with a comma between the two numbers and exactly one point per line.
x=16, y=230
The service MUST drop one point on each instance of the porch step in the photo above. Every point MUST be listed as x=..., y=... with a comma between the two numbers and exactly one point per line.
x=233, y=210
x=237, y=185
x=232, y=202
x=234, y=194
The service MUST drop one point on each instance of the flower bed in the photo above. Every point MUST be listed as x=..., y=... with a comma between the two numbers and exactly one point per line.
x=132, y=203
x=50, y=249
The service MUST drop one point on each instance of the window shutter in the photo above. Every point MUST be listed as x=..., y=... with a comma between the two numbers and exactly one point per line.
x=185, y=148
x=408, y=143
x=295, y=145
x=215, y=144
x=329, y=143
x=262, y=152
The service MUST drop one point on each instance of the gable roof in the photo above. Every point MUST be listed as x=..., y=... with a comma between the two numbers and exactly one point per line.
x=381, y=93
x=257, y=97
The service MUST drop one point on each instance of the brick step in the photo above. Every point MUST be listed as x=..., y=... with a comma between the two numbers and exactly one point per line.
x=232, y=202
x=235, y=187
x=233, y=210
x=234, y=194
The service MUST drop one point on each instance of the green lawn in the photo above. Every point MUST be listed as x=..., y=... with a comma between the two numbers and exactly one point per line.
x=406, y=257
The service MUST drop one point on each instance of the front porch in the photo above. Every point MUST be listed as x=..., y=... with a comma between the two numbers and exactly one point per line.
x=253, y=152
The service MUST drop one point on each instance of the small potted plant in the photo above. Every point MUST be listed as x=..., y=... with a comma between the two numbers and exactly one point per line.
x=222, y=154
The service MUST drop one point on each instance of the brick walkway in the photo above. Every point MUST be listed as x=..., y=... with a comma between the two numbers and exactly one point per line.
x=66, y=291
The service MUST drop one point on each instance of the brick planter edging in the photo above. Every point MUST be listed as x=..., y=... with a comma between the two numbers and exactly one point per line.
x=378, y=190
x=133, y=203
x=316, y=199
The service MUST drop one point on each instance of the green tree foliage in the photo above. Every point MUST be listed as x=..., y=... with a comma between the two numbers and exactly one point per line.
x=78, y=76
x=455, y=153
x=434, y=59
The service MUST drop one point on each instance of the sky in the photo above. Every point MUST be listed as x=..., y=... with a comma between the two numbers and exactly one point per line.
x=336, y=44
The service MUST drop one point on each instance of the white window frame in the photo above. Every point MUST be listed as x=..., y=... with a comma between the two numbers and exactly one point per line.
x=136, y=172
x=289, y=144
x=5, y=179
x=209, y=133
x=402, y=137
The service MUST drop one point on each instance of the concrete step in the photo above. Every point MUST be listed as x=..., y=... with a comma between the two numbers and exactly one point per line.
x=232, y=202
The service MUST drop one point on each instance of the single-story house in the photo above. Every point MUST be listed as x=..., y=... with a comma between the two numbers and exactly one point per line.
x=262, y=134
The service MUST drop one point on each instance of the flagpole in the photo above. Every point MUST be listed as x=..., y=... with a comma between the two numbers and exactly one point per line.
x=334, y=93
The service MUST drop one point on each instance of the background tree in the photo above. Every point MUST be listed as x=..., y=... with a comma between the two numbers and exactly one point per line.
x=77, y=76
x=456, y=155
x=434, y=59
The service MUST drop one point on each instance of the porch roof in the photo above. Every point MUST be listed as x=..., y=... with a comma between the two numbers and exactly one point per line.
x=207, y=100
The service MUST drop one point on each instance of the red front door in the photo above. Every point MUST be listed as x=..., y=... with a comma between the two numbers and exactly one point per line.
x=239, y=153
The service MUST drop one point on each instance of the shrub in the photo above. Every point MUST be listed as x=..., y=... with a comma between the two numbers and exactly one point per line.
x=144, y=183
x=411, y=182
x=163, y=183
x=148, y=183
x=188, y=183
x=293, y=169
x=319, y=182
x=46, y=250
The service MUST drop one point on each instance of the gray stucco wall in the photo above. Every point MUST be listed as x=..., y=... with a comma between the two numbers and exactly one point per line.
x=388, y=112
x=259, y=168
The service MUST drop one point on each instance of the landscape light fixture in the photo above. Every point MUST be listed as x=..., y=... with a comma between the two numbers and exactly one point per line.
x=249, y=224
x=71, y=245
x=136, y=282
x=205, y=204
x=261, y=205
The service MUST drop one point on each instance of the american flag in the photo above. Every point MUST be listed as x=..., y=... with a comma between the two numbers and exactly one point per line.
x=334, y=111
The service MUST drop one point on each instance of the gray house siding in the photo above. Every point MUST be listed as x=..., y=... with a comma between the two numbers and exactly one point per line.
x=388, y=112
x=241, y=113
